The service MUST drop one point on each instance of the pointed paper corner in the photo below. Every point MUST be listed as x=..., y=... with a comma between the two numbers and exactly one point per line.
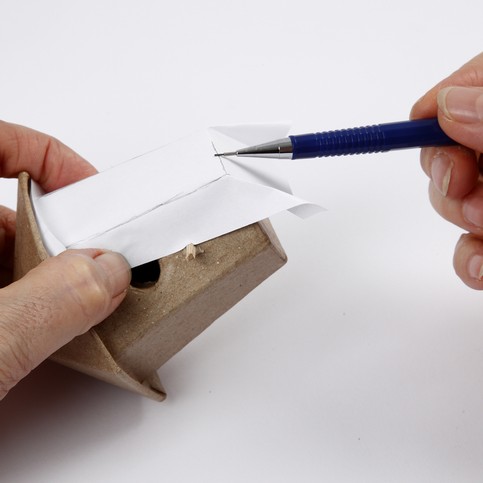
x=238, y=135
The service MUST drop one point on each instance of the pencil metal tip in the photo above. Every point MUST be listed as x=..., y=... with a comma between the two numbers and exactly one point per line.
x=234, y=153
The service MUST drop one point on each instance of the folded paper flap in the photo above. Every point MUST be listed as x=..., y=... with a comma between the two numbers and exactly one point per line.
x=156, y=204
x=118, y=195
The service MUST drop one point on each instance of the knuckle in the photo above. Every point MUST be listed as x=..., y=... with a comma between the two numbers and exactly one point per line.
x=473, y=74
x=87, y=286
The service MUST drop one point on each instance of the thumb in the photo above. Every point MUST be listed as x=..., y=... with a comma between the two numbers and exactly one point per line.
x=461, y=115
x=58, y=300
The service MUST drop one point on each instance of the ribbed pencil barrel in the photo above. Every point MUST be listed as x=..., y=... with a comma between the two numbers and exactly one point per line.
x=370, y=139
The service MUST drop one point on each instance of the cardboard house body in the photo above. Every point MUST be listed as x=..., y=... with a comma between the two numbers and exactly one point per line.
x=170, y=302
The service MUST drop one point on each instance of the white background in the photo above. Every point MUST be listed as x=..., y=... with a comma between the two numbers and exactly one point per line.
x=362, y=359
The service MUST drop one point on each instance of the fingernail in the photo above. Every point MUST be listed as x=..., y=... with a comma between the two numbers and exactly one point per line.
x=441, y=168
x=462, y=104
x=473, y=211
x=475, y=267
x=117, y=270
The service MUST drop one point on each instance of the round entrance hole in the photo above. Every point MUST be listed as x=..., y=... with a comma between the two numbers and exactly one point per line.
x=146, y=275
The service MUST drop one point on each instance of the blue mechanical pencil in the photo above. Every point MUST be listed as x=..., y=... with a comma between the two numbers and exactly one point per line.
x=359, y=140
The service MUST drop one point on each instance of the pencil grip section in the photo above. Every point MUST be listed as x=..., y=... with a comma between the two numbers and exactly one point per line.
x=370, y=139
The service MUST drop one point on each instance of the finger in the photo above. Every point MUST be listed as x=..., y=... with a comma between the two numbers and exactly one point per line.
x=58, y=300
x=48, y=161
x=7, y=244
x=470, y=74
x=466, y=213
x=468, y=261
x=461, y=115
x=453, y=169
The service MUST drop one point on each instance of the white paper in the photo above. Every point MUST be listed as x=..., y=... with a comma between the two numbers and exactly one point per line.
x=157, y=203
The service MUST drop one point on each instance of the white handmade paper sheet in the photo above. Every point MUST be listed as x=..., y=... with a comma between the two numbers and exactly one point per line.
x=157, y=203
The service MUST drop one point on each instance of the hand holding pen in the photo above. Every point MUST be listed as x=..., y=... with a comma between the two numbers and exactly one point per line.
x=456, y=190
x=448, y=124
